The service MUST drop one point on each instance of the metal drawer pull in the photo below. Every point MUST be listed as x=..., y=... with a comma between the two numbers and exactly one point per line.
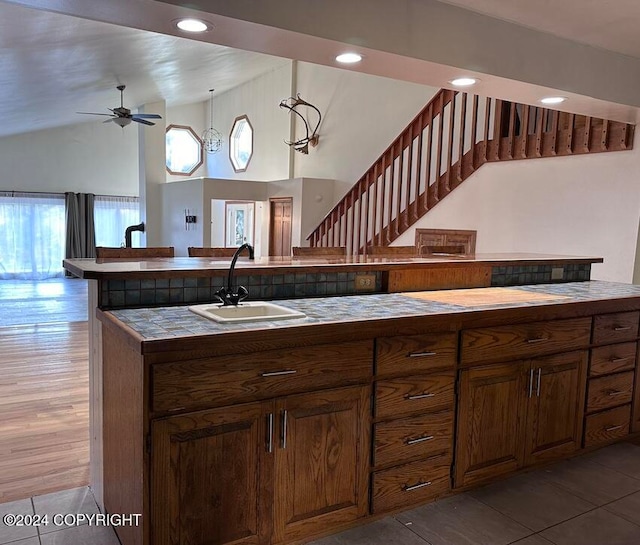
x=538, y=387
x=538, y=340
x=416, y=486
x=270, y=432
x=420, y=396
x=613, y=428
x=278, y=373
x=419, y=439
x=614, y=393
x=618, y=360
x=284, y=429
x=420, y=354
x=622, y=328
x=531, y=382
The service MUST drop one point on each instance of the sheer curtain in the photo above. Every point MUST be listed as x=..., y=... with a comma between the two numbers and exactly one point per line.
x=32, y=235
x=112, y=215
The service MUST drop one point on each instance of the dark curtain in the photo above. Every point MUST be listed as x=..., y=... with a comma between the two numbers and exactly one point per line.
x=80, y=230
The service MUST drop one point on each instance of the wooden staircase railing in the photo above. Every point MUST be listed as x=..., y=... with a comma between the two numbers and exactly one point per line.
x=446, y=142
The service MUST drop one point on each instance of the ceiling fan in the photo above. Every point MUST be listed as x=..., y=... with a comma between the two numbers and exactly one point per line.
x=122, y=116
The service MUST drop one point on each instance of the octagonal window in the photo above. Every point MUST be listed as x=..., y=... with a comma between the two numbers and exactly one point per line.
x=241, y=143
x=184, y=150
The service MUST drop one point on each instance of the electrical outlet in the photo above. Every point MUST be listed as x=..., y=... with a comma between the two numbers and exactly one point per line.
x=365, y=282
x=557, y=273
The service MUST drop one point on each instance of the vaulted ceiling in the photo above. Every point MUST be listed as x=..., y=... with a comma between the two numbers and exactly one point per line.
x=58, y=57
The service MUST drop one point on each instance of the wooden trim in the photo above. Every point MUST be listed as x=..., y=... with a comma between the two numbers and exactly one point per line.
x=233, y=125
x=198, y=139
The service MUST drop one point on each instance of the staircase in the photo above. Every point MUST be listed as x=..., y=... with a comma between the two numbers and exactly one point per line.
x=454, y=135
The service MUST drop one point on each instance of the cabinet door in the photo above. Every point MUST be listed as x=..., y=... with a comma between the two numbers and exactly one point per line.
x=322, y=461
x=556, y=406
x=492, y=409
x=212, y=477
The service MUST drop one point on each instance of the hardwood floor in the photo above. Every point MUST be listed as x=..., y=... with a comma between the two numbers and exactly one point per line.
x=44, y=398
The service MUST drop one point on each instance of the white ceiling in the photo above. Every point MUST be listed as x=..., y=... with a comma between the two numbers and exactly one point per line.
x=53, y=65
x=608, y=24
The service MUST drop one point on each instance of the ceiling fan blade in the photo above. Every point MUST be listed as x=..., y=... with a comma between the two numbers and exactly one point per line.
x=147, y=116
x=93, y=113
x=143, y=121
x=108, y=120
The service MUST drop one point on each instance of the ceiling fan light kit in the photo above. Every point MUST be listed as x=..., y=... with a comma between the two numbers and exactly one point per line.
x=122, y=116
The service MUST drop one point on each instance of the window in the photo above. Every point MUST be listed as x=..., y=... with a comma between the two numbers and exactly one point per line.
x=184, y=150
x=241, y=143
x=111, y=216
x=32, y=235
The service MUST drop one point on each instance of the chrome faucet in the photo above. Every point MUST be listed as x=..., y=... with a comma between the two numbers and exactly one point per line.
x=227, y=296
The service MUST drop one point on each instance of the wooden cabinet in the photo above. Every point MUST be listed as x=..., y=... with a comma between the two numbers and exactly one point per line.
x=212, y=466
x=516, y=414
x=321, y=461
x=613, y=398
x=265, y=472
x=414, y=414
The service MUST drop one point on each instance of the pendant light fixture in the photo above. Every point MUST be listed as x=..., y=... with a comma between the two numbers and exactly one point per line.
x=211, y=138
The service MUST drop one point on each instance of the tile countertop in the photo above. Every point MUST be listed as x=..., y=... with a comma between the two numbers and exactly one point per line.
x=173, y=322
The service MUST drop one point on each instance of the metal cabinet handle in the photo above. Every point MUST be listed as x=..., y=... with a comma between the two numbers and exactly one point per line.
x=618, y=360
x=420, y=354
x=531, y=382
x=622, y=328
x=283, y=442
x=538, y=386
x=270, y=432
x=538, y=340
x=613, y=428
x=407, y=488
x=614, y=393
x=419, y=439
x=278, y=373
x=420, y=396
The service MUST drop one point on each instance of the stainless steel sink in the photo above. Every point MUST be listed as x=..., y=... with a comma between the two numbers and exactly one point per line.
x=252, y=311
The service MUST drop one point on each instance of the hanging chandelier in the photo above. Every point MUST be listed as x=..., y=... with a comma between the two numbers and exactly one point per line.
x=211, y=138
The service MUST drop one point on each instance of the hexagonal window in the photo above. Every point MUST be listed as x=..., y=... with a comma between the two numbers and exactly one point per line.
x=184, y=150
x=241, y=143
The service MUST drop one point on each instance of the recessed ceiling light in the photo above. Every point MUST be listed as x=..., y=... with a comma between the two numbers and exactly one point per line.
x=192, y=25
x=553, y=100
x=463, y=82
x=349, y=58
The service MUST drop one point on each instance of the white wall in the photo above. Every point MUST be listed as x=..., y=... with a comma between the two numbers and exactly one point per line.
x=87, y=157
x=259, y=99
x=361, y=116
x=582, y=205
x=176, y=197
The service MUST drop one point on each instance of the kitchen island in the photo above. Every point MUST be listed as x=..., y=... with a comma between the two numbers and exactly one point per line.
x=283, y=431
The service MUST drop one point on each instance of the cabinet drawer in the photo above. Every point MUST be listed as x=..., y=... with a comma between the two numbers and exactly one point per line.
x=606, y=426
x=401, y=441
x=612, y=358
x=412, y=483
x=416, y=353
x=622, y=326
x=524, y=340
x=240, y=378
x=609, y=391
x=414, y=394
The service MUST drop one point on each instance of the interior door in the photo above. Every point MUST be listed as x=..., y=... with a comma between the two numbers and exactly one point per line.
x=281, y=210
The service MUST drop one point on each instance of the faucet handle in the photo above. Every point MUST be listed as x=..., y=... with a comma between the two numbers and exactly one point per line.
x=242, y=293
x=221, y=295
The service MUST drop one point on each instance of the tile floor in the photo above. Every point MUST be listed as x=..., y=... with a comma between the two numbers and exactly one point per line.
x=590, y=500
